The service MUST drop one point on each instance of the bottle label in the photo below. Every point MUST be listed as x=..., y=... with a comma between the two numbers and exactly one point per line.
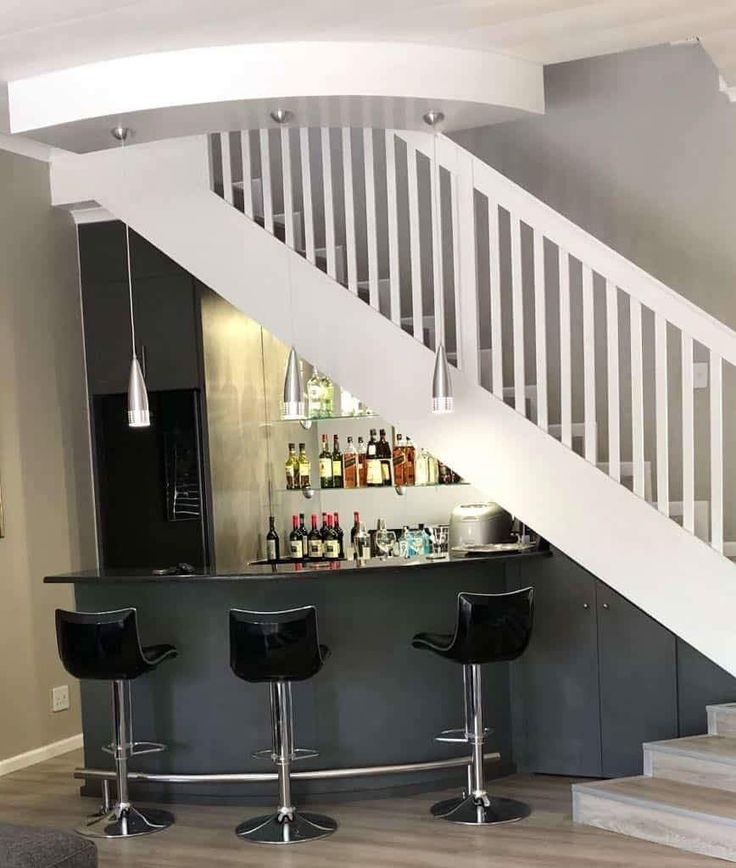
x=271, y=550
x=386, y=472
x=374, y=474
x=364, y=550
x=305, y=546
x=337, y=467
x=296, y=549
x=325, y=468
x=351, y=470
x=399, y=468
x=315, y=548
x=332, y=548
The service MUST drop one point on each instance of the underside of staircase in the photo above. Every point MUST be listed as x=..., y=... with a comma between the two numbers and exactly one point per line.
x=686, y=797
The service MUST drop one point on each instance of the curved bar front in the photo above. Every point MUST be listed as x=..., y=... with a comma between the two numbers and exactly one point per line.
x=376, y=702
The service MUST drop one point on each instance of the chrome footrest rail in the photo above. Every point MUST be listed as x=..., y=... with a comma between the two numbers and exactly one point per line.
x=459, y=736
x=298, y=753
x=138, y=748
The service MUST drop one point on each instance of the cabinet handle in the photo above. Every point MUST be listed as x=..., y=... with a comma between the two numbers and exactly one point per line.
x=586, y=606
x=606, y=606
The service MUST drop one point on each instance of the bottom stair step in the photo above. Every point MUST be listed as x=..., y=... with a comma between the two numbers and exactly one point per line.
x=685, y=816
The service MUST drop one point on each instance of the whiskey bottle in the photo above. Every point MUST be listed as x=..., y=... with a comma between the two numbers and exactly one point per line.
x=315, y=542
x=314, y=395
x=304, y=534
x=362, y=464
x=373, y=471
x=325, y=465
x=292, y=468
x=305, y=468
x=384, y=454
x=350, y=465
x=354, y=530
x=296, y=549
x=272, y=542
x=330, y=542
x=421, y=468
x=340, y=535
x=410, y=463
x=399, y=458
x=337, y=471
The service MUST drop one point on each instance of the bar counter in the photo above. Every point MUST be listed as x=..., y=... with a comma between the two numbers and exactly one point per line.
x=377, y=701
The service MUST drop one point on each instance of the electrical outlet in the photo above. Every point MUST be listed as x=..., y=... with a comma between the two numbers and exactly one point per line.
x=60, y=698
x=700, y=375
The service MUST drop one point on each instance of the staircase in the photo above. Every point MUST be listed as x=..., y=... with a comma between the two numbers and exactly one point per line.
x=686, y=797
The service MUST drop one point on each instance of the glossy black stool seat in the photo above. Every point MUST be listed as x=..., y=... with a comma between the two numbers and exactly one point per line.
x=105, y=646
x=490, y=628
x=279, y=648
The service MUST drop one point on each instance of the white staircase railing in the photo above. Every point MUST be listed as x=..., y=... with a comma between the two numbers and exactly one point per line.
x=577, y=338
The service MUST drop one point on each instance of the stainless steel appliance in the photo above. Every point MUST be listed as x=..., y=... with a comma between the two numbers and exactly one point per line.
x=475, y=524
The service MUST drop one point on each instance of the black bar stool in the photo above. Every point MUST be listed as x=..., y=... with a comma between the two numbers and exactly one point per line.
x=491, y=628
x=278, y=648
x=105, y=646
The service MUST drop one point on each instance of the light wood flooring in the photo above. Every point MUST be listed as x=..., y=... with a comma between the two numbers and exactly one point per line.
x=396, y=833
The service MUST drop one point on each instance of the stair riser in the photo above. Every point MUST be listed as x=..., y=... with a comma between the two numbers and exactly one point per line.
x=690, y=770
x=691, y=833
x=722, y=721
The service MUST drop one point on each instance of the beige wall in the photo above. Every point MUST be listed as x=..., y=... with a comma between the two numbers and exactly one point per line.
x=44, y=452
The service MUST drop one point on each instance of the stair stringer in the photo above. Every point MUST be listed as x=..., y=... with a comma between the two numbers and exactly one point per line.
x=162, y=191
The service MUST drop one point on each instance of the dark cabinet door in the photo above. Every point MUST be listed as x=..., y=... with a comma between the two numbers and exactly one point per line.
x=554, y=685
x=699, y=683
x=638, y=683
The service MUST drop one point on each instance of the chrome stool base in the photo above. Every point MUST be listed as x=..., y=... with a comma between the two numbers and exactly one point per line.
x=472, y=811
x=275, y=829
x=127, y=823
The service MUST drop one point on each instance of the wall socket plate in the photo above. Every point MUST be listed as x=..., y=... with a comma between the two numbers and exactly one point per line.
x=700, y=375
x=60, y=698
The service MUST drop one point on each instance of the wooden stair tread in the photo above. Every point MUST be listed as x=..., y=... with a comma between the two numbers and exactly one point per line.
x=720, y=748
x=667, y=795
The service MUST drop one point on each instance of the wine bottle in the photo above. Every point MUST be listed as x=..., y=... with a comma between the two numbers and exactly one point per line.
x=384, y=454
x=325, y=465
x=330, y=542
x=314, y=395
x=296, y=549
x=305, y=468
x=340, y=535
x=323, y=530
x=350, y=465
x=373, y=473
x=292, y=468
x=399, y=459
x=304, y=535
x=410, y=463
x=337, y=471
x=362, y=464
x=315, y=541
x=354, y=532
x=272, y=542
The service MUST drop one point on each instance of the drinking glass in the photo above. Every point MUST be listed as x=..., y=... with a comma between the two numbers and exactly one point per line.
x=438, y=535
x=385, y=542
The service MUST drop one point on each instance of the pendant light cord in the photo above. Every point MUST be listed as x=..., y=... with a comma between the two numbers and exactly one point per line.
x=439, y=276
x=130, y=270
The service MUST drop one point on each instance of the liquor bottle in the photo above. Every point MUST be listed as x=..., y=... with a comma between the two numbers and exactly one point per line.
x=330, y=542
x=314, y=395
x=399, y=458
x=384, y=454
x=315, y=542
x=304, y=534
x=340, y=535
x=444, y=474
x=272, y=542
x=323, y=529
x=292, y=468
x=305, y=468
x=296, y=549
x=362, y=544
x=433, y=474
x=337, y=471
x=421, y=468
x=373, y=472
x=410, y=463
x=362, y=464
x=354, y=532
x=325, y=465
x=328, y=396
x=350, y=466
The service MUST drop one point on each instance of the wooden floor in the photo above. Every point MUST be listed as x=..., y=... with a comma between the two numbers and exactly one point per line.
x=384, y=832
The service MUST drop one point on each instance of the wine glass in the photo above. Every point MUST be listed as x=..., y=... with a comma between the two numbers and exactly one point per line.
x=385, y=542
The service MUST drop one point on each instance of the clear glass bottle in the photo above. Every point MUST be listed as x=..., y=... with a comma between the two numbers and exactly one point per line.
x=421, y=468
x=328, y=396
x=314, y=395
x=325, y=465
x=337, y=469
x=305, y=468
x=433, y=470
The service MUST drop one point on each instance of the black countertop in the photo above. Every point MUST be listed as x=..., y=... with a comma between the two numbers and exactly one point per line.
x=283, y=571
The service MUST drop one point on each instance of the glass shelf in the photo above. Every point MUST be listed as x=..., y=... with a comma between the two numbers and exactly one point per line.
x=370, y=488
x=305, y=423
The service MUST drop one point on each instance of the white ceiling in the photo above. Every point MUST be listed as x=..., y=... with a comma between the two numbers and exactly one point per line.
x=43, y=35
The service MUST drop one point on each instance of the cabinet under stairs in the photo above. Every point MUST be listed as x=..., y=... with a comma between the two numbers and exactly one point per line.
x=686, y=797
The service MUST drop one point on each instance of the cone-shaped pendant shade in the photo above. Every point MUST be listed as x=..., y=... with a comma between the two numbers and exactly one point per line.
x=293, y=407
x=441, y=386
x=139, y=415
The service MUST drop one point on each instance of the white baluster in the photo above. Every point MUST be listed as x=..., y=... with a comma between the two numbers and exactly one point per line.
x=245, y=159
x=329, y=203
x=494, y=249
x=466, y=283
x=637, y=397
x=347, y=172
x=227, y=169
x=661, y=402
x=393, y=228
x=266, y=181
x=540, y=330
x=288, y=189
x=614, y=424
x=688, y=436
x=307, y=193
x=716, y=451
x=565, y=350
x=370, y=217
x=416, y=252
x=589, y=403
x=517, y=315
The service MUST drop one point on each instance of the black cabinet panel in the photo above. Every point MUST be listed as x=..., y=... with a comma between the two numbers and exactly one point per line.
x=700, y=682
x=638, y=682
x=554, y=685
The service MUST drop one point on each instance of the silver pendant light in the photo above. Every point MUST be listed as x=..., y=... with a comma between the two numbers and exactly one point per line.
x=293, y=406
x=442, y=400
x=139, y=415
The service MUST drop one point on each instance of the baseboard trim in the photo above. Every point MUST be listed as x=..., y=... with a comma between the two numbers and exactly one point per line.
x=48, y=751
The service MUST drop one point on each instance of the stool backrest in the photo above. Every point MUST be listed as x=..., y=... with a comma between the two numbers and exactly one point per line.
x=100, y=645
x=275, y=646
x=493, y=627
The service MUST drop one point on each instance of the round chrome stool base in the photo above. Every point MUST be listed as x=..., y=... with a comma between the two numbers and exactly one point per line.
x=128, y=823
x=272, y=829
x=472, y=812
